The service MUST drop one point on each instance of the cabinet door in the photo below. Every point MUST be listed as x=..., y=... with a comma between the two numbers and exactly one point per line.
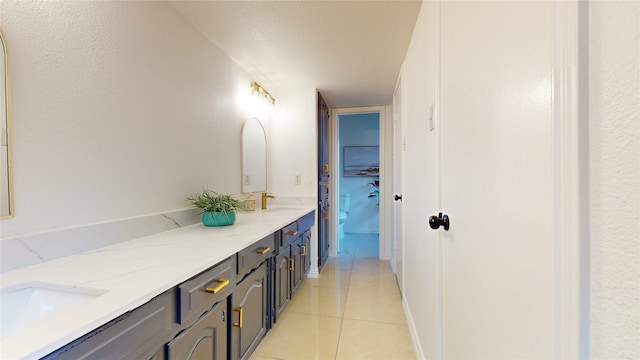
x=306, y=256
x=298, y=264
x=282, y=282
x=206, y=339
x=249, y=313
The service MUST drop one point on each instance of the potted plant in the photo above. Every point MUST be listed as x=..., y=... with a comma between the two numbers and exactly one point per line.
x=375, y=193
x=216, y=209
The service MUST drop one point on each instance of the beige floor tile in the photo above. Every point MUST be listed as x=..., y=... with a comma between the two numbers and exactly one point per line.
x=371, y=265
x=318, y=300
x=301, y=336
x=353, y=310
x=370, y=340
x=374, y=281
x=331, y=278
x=375, y=306
x=338, y=264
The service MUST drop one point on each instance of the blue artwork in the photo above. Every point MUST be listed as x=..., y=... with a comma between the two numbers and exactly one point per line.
x=361, y=161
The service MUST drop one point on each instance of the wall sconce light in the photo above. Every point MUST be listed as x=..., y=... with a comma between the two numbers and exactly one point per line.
x=263, y=94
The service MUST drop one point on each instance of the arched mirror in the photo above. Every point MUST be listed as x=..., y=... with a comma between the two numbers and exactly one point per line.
x=6, y=199
x=254, y=157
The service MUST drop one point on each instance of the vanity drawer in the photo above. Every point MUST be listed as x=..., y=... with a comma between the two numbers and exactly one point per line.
x=255, y=254
x=293, y=231
x=289, y=234
x=306, y=222
x=199, y=294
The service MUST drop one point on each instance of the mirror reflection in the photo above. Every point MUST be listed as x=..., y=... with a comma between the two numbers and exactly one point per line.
x=254, y=157
x=5, y=184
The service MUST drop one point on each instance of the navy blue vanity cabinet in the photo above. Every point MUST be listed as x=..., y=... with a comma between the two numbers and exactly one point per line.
x=220, y=314
x=298, y=254
x=282, y=282
x=284, y=267
x=293, y=260
x=250, y=307
x=304, y=242
x=303, y=258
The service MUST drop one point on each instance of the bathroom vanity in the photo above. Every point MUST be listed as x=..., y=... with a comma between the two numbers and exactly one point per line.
x=194, y=292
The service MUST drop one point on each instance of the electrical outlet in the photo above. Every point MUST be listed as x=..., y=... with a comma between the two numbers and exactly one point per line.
x=298, y=179
x=247, y=179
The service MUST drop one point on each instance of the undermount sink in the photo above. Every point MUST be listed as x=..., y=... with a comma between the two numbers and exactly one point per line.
x=28, y=303
x=283, y=208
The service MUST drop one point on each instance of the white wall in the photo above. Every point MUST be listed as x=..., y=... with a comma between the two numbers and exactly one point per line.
x=420, y=83
x=615, y=179
x=294, y=148
x=294, y=151
x=120, y=109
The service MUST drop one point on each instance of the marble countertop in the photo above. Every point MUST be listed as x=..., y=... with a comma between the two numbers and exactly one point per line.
x=132, y=273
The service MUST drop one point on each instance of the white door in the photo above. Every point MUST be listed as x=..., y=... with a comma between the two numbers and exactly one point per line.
x=396, y=246
x=497, y=183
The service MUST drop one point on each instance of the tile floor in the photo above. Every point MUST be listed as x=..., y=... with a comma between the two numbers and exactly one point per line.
x=353, y=310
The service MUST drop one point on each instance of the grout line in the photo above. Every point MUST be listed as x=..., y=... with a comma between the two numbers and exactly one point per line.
x=346, y=301
x=341, y=259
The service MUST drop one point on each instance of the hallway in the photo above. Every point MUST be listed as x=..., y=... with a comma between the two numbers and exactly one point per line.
x=352, y=311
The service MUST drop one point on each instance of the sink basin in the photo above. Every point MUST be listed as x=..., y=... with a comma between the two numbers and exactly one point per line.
x=279, y=209
x=28, y=303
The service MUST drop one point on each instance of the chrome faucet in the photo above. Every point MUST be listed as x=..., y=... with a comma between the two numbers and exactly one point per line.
x=264, y=200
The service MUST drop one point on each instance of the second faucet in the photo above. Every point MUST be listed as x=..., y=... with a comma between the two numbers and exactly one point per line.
x=264, y=200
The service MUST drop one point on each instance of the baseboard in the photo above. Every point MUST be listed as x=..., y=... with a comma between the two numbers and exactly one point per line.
x=412, y=330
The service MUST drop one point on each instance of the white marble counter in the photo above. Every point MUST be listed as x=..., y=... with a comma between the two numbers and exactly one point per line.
x=132, y=273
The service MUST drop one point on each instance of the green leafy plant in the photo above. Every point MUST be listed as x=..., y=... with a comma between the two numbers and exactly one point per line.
x=376, y=189
x=211, y=201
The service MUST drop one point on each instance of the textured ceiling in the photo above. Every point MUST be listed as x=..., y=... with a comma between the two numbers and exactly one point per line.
x=349, y=50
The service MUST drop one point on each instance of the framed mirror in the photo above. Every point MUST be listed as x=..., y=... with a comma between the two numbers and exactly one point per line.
x=254, y=157
x=6, y=195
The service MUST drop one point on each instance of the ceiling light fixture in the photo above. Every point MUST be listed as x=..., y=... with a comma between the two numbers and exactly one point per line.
x=262, y=93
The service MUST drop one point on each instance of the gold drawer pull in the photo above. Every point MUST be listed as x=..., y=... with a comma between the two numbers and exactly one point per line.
x=221, y=283
x=292, y=233
x=239, y=323
x=263, y=250
x=292, y=263
x=304, y=250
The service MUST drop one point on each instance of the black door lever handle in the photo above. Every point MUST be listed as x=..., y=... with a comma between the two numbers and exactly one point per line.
x=397, y=197
x=441, y=220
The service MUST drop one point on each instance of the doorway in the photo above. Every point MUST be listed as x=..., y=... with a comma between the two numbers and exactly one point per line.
x=358, y=158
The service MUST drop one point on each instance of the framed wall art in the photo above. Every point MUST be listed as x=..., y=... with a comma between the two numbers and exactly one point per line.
x=361, y=161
